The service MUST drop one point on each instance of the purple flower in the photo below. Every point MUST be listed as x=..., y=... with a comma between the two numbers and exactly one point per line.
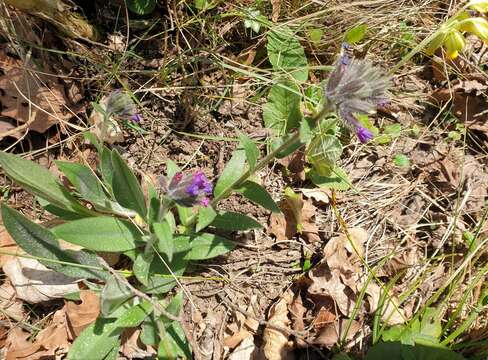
x=190, y=189
x=364, y=135
x=136, y=118
x=356, y=87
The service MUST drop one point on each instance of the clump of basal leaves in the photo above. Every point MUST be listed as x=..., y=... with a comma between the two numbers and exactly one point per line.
x=161, y=231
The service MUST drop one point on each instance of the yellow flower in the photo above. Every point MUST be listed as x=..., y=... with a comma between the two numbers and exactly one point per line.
x=454, y=43
x=478, y=5
x=436, y=43
x=477, y=26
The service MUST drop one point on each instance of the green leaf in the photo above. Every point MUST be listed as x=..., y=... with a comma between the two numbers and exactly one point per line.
x=337, y=180
x=165, y=238
x=205, y=217
x=113, y=295
x=206, y=246
x=315, y=35
x=306, y=130
x=134, y=316
x=356, y=34
x=175, y=344
x=232, y=171
x=85, y=182
x=171, y=168
x=323, y=153
x=95, y=342
x=40, y=242
x=39, y=181
x=282, y=111
x=126, y=188
x=395, y=130
x=251, y=150
x=204, y=4
x=93, y=140
x=234, y=222
x=100, y=234
x=161, y=279
x=59, y=212
x=401, y=160
x=286, y=54
x=106, y=167
x=142, y=266
x=141, y=7
x=257, y=194
x=185, y=214
x=397, y=350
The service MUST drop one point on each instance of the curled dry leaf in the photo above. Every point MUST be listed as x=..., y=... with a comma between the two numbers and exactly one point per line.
x=132, y=348
x=80, y=316
x=35, y=283
x=48, y=102
x=276, y=344
x=331, y=333
x=297, y=216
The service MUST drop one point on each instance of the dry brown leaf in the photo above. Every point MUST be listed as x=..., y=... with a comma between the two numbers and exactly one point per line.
x=80, y=316
x=331, y=333
x=19, y=87
x=295, y=163
x=132, y=348
x=35, y=283
x=10, y=305
x=234, y=340
x=467, y=105
x=276, y=344
x=51, y=342
x=327, y=283
x=245, y=351
x=18, y=347
x=298, y=217
x=276, y=4
x=297, y=313
x=324, y=317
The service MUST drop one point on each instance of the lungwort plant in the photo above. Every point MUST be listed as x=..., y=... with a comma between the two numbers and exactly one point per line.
x=170, y=224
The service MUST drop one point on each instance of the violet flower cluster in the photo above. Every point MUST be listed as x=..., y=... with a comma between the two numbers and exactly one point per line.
x=120, y=104
x=190, y=189
x=356, y=87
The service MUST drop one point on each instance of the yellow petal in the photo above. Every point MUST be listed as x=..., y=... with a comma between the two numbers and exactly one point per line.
x=435, y=43
x=479, y=5
x=477, y=26
x=454, y=43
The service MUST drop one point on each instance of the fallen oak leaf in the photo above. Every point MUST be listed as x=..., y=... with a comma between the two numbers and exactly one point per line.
x=297, y=312
x=10, y=305
x=330, y=334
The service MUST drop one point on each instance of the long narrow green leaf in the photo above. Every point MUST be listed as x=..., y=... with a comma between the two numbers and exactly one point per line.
x=39, y=181
x=83, y=179
x=38, y=241
x=234, y=222
x=100, y=234
x=206, y=246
